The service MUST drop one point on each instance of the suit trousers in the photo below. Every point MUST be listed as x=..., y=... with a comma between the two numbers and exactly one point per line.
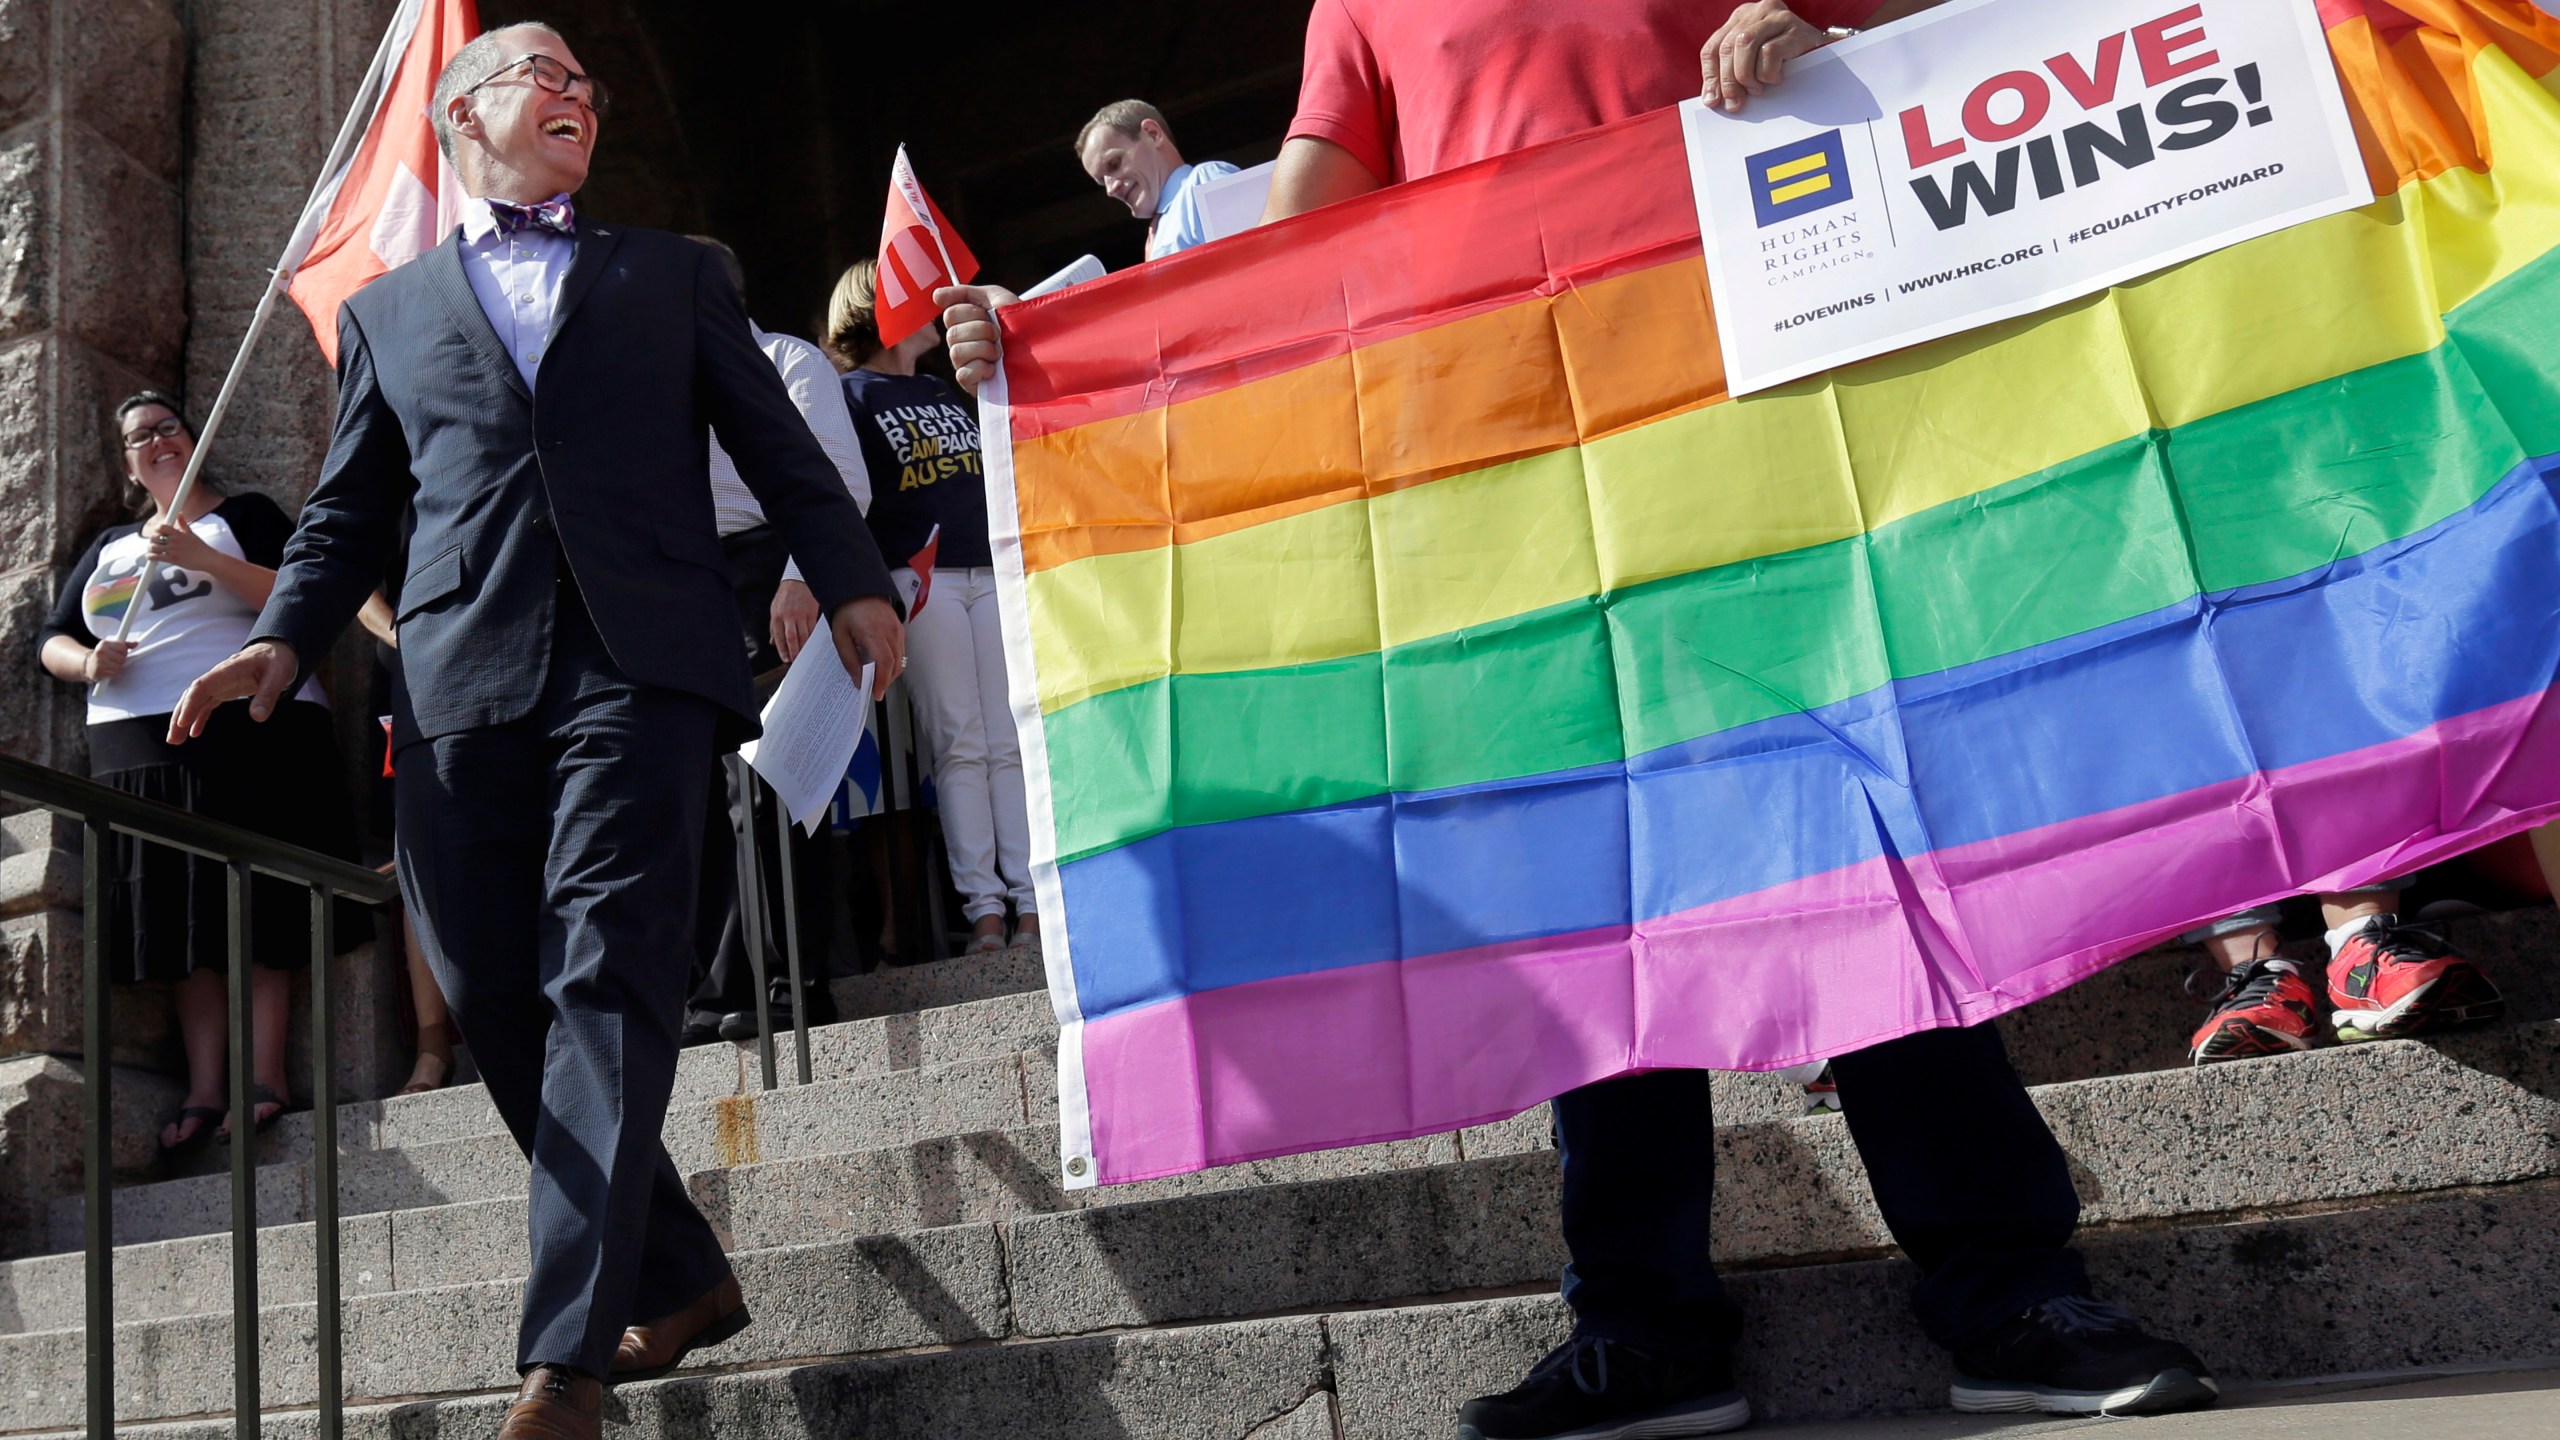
x=1969, y=1180
x=551, y=865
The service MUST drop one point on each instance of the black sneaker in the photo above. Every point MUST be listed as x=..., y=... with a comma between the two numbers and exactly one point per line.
x=2079, y=1356
x=1588, y=1389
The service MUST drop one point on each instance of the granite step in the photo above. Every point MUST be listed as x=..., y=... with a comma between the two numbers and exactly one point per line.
x=2180, y=1149
x=978, y=1178
x=2463, y=1109
x=729, y=1128
x=2339, y=1128
x=895, y=990
x=964, y=1029
x=2462, y=1279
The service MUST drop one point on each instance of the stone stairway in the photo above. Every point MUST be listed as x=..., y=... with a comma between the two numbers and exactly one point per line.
x=916, y=1269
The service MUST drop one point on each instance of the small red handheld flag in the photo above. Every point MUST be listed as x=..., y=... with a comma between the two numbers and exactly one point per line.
x=922, y=563
x=919, y=251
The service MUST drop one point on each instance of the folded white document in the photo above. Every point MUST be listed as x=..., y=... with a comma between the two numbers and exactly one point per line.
x=811, y=726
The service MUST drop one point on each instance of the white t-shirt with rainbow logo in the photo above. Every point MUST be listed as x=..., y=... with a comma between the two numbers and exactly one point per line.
x=188, y=623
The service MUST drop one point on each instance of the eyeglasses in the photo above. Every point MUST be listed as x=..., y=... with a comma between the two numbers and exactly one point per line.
x=553, y=76
x=169, y=429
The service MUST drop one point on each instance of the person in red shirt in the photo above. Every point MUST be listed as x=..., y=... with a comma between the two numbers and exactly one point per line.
x=1965, y=1172
x=1394, y=92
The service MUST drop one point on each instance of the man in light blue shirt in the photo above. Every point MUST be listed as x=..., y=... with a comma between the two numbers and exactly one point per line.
x=1130, y=153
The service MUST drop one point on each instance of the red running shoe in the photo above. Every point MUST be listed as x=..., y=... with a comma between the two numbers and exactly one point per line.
x=2391, y=979
x=2265, y=1008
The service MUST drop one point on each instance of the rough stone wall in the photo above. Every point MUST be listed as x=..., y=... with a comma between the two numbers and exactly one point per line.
x=153, y=158
x=271, y=80
x=41, y=1003
x=43, y=1115
x=92, y=302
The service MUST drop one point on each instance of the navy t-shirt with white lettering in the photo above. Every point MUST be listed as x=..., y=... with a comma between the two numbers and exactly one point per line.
x=920, y=442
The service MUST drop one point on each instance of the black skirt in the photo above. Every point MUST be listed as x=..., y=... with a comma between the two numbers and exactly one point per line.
x=168, y=910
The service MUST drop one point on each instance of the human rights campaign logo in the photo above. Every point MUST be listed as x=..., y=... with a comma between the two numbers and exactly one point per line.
x=1797, y=179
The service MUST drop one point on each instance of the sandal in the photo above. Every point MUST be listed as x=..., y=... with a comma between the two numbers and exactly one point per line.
x=206, y=1117
x=259, y=1097
x=435, y=1044
x=1026, y=944
x=421, y=1082
x=985, y=945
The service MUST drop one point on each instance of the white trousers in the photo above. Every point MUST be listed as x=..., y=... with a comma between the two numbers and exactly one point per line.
x=955, y=666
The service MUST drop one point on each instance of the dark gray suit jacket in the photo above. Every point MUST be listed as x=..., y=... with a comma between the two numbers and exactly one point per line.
x=606, y=464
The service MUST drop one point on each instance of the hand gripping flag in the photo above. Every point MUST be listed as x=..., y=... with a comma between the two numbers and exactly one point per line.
x=1439, y=693
x=393, y=197
x=919, y=252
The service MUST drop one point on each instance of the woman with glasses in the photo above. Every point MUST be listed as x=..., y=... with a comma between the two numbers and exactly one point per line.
x=211, y=568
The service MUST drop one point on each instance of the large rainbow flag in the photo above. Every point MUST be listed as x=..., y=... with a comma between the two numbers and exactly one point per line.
x=1438, y=693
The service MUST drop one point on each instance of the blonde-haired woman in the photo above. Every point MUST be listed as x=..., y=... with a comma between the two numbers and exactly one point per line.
x=920, y=442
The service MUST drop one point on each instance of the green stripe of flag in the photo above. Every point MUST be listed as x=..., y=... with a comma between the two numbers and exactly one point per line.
x=2277, y=488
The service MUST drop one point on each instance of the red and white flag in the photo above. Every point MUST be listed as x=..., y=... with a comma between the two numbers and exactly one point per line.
x=394, y=198
x=919, y=251
x=922, y=563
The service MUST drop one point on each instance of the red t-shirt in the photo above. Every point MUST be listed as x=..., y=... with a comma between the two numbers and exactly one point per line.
x=1415, y=87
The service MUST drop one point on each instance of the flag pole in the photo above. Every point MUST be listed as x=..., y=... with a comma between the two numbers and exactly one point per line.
x=924, y=212
x=941, y=249
x=368, y=96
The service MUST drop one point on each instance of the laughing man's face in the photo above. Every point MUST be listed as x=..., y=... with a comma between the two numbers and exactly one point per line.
x=547, y=138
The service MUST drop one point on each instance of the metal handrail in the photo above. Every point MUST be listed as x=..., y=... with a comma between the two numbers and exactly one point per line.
x=82, y=799
x=102, y=813
x=758, y=926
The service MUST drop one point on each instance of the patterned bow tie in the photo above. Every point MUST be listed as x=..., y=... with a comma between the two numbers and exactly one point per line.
x=556, y=216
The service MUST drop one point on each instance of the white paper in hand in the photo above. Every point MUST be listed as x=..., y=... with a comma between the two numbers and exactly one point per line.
x=811, y=726
x=1086, y=268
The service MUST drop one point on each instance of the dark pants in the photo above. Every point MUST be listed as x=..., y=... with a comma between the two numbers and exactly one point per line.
x=550, y=864
x=756, y=558
x=1970, y=1181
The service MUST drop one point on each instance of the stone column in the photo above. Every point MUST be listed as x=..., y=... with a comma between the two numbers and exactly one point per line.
x=41, y=950
x=135, y=232
x=92, y=302
x=269, y=82
x=41, y=1111
x=92, y=308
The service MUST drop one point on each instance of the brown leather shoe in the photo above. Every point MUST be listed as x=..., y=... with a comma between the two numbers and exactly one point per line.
x=556, y=1403
x=651, y=1350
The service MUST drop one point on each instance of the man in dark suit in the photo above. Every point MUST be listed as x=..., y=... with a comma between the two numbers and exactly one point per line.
x=536, y=395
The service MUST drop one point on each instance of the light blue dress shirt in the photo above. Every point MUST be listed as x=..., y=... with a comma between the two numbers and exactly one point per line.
x=518, y=279
x=1177, y=224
